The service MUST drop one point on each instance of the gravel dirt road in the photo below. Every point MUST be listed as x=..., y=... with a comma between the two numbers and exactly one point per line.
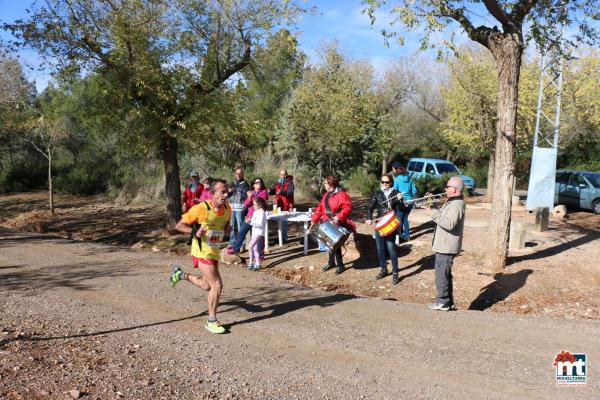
x=81, y=320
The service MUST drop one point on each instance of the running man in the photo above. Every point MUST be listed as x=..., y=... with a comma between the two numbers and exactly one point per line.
x=209, y=222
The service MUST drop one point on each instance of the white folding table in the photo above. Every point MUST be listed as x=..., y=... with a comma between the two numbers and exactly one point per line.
x=288, y=216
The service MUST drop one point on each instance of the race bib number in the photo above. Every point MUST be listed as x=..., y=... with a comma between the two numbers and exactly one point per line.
x=214, y=238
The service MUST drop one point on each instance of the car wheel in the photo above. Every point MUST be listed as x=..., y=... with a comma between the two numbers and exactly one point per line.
x=596, y=206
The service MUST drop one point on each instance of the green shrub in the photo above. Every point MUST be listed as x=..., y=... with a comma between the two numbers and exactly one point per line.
x=138, y=180
x=83, y=180
x=362, y=181
x=586, y=166
x=23, y=175
x=431, y=183
x=477, y=172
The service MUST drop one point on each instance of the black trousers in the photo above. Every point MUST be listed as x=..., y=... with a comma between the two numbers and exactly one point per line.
x=335, y=258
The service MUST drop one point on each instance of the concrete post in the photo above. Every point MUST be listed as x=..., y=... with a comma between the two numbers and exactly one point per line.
x=518, y=231
x=542, y=216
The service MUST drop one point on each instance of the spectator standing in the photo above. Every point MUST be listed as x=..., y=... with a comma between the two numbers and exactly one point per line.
x=192, y=192
x=206, y=195
x=238, y=194
x=258, y=221
x=395, y=169
x=284, y=197
x=405, y=185
x=259, y=190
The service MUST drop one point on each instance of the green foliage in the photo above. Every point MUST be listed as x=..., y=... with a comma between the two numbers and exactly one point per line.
x=83, y=180
x=544, y=21
x=23, y=174
x=470, y=97
x=362, y=181
x=478, y=172
x=276, y=69
x=592, y=165
x=328, y=120
x=431, y=183
x=337, y=116
x=137, y=180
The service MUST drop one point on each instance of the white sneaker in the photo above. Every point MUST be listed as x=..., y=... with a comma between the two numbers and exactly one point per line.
x=438, y=307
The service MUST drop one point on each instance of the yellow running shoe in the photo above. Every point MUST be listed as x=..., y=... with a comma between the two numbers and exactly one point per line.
x=214, y=327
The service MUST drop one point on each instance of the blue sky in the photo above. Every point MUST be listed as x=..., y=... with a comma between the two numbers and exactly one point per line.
x=337, y=20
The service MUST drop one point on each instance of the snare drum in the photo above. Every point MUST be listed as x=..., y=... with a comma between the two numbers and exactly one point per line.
x=332, y=235
x=387, y=224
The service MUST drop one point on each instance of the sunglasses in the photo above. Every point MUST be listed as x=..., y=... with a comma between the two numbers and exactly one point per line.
x=450, y=186
x=257, y=182
x=386, y=182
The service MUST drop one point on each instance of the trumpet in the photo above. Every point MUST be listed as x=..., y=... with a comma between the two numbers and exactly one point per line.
x=429, y=199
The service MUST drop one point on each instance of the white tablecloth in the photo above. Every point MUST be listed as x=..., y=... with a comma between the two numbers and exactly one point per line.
x=288, y=216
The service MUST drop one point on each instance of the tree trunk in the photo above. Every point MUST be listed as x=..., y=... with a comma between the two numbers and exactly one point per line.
x=507, y=51
x=50, y=186
x=384, y=166
x=168, y=150
x=490, y=177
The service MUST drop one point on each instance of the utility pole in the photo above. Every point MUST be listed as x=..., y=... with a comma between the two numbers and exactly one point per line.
x=542, y=177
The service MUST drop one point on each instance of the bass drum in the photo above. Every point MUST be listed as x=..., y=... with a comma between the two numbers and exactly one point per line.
x=387, y=224
x=334, y=236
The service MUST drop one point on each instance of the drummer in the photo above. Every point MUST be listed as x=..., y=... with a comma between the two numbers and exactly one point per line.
x=387, y=202
x=336, y=206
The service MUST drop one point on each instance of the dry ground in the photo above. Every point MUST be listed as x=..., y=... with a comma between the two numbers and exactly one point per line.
x=86, y=312
x=558, y=273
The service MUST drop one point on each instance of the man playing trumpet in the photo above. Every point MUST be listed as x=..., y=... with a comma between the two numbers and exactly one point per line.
x=447, y=241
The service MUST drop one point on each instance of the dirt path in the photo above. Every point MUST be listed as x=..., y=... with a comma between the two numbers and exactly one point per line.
x=100, y=321
x=557, y=274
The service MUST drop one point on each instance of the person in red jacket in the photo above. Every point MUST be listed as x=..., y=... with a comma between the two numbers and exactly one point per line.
x=193, y=191
x=340, y=205
x=284, y=191
x=284, y=197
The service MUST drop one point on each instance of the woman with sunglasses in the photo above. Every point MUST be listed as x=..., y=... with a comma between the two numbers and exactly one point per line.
x=258, y=191
x=385, y=200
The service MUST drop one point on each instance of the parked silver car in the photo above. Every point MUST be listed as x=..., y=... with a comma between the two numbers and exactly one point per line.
x=578, y=189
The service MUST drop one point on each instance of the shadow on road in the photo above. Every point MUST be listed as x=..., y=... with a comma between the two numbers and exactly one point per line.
x=97, y=333
x=427, y=262
x=499, y=290
x=554, y=250
x=277, y=310
x=421, y=230
x=72, y=276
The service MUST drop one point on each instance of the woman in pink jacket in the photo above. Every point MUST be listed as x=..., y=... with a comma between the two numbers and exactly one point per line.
x=258, y=190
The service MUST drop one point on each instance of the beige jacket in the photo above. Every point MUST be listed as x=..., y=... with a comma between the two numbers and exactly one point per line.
x=450, y=220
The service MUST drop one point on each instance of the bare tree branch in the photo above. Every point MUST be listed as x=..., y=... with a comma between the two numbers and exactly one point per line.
x=498, y=13
x=480, y=34
x=521, y=9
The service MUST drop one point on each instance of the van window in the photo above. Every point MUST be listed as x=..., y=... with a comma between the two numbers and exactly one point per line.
x=562, y=177
x=429, y=169
x=594, y=179
x=446, y=168
x=415, y=166
x=577, y=180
